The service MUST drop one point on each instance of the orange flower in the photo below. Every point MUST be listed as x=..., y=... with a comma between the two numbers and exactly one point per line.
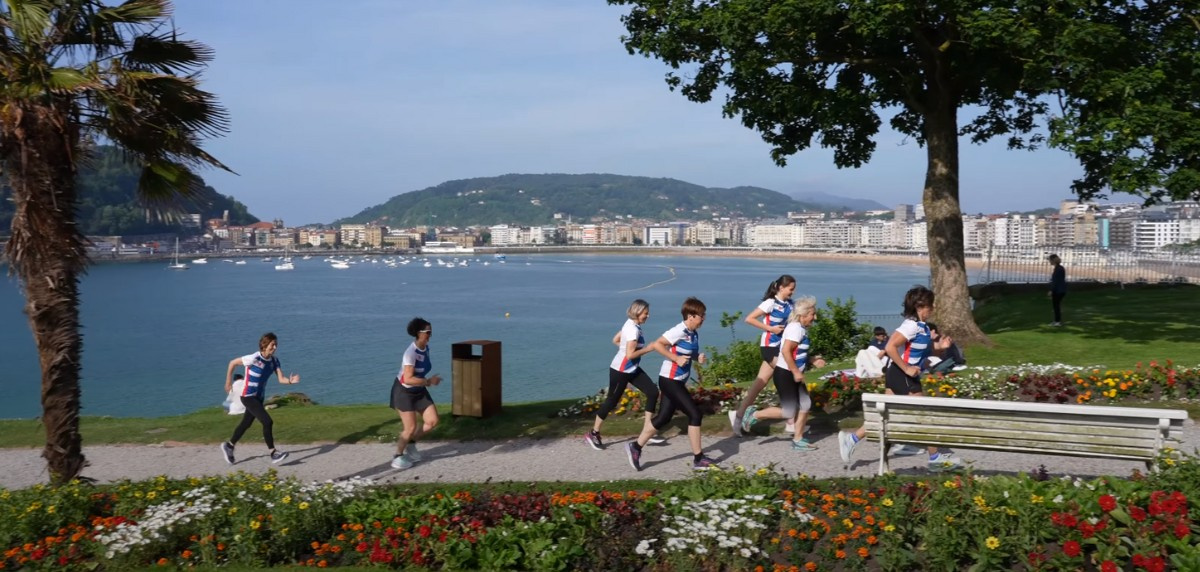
x=792, y=532
x=840, y=554
x=811, y=566
x=163, y=561
x=186, y=554
x=863, y=552
x=872, y=540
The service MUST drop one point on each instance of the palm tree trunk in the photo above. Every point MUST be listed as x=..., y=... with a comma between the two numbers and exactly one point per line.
x=943, y=215
x=47, y=253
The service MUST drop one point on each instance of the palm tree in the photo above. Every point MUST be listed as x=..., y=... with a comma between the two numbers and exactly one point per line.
x=77, y=73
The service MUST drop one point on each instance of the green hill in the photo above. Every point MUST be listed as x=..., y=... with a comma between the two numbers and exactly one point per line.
x=534, y=199
x=108, y=203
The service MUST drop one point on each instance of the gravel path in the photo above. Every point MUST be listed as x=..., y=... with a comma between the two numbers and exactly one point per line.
x=530, y=460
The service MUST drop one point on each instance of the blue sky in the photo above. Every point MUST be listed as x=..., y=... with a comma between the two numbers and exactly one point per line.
x=338, y=106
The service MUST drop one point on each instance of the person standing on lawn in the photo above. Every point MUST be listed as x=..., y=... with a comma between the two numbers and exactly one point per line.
x=410, y=394
x=771, y=317
x=789, y=376
x=680, y=346
x=258, y=367
x=1058, y=287
x=625, y=369
x=908, y=347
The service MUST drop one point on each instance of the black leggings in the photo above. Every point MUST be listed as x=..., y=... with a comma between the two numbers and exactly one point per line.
x=1056, y=301
x=254, y=410
x=618, y=381
x=793, y=396
x=675, y=395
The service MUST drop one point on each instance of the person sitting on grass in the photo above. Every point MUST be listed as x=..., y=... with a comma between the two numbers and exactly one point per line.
x=952, y=358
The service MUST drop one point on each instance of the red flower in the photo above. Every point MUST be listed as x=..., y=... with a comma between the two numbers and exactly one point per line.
x=1156, y=564
x=1137, y=513
x=1108, y=566
x=1181, y=530
x=1108, y=503
x=1072, y=548
x=424, y=531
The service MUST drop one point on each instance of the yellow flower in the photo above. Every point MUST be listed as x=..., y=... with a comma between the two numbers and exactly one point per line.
x=1035, y=499
x=303, y=506
x=992, y=542
x=232, y=511
x=286, y=499
x=949, y=520
x=848, y=523
x=150, y=495
x=950, y=484
x=268, y=487
x=762, y=472
x=980, y=502
x=50, y=509
x=887, y=502
x=254, y=524
x=889, y=528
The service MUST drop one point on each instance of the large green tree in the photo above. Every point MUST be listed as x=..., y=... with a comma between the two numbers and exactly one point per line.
x=77, y=72
x=800, y=71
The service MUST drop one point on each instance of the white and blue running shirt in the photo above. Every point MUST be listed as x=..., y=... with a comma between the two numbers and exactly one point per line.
x=258, y=369
x=920, y=341
x=419, y=359
x=776, y=312
x=684, y=342
x=796, y=333
x=631, y=331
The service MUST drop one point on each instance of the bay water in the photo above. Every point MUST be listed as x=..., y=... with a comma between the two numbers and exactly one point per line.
x=157, y=342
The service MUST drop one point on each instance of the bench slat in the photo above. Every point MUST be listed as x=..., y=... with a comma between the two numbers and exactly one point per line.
x=1042, y=439
x=1032, y=421
x=1019, y=426
x=1001, y=444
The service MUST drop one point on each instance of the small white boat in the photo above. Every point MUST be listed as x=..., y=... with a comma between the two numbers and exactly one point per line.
x=200, y=261
x=177, y=265
x=285, y=263
x=427, y=264
x=240, y=262
x=306, y=257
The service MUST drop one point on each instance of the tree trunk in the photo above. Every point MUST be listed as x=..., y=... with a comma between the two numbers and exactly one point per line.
x=943, y=217
x=47, y=253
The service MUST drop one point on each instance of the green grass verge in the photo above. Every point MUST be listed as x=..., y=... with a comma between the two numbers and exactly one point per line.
x=1116, y=328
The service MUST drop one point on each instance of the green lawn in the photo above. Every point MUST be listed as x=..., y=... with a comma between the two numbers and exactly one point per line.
x=1115, y=328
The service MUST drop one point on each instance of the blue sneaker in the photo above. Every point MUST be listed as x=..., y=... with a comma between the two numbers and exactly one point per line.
x=705, y=463
x=748, y=419
x=803, y=445
x=634, y=455
x=944, y=462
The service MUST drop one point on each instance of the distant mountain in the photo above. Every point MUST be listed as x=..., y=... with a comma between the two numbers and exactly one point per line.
x=837, y=202
x=108, y=203
x=535, y=199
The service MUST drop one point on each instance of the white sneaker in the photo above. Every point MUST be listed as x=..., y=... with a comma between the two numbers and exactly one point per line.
x=790, y=428
x=413, y=453
x=401, y=462
x=656, y=440
x=736, y=423
x=846, y=446
x=944, y=462
x=901, y=450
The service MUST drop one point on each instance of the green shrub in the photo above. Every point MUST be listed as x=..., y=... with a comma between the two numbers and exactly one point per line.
x=837, y=335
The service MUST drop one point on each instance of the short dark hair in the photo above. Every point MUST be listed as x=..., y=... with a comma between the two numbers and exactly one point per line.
x=932, y=326
x=266, y=340
x=416, y=325
x=917, y=296
x=880, y=330
x=693, y=307
x=237, y=376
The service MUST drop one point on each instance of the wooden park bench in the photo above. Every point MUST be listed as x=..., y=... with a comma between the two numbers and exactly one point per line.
x=1138, y=434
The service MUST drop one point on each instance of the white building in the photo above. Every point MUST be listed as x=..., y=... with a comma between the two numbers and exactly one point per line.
x=775, y=235
x=658, y=236
x=504, y=235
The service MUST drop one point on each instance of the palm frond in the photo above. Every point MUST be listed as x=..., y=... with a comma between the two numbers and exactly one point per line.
x=163, y=53
x=164, y=184
x=30, y=19
x=135, y=12
x=67, y=80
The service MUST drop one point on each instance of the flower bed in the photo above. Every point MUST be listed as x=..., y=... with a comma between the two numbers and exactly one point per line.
x=738, y=519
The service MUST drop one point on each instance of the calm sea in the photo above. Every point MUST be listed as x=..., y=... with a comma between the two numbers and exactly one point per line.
x=157, y=341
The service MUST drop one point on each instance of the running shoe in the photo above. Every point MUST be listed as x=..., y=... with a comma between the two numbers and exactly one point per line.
x=227, y=450
x=748, y=419
x=413, y=453
x=401, y=462
x=656, y=440
x=735, y=423
x=705, y=463
x=846, y=446
x=899, y=450
x=278, y=456
x=944, y=462
x=593, y=438
x=803, y=445
x=634, y=455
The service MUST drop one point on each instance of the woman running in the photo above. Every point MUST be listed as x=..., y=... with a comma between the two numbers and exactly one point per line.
x=789, y=376
x=258, y=367
x=631, y=346
x=680, y=346
x=908, y=347
x=770, y=317
x=410, y=395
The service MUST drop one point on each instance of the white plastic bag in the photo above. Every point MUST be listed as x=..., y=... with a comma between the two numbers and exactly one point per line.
x=233, y=401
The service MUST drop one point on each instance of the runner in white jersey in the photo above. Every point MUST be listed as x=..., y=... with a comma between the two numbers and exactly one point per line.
x=680, y=346
x=625, y=369
x=258, y=367
x=909, y=344
x=770, y=316
x=789, y=376
x=410, y=395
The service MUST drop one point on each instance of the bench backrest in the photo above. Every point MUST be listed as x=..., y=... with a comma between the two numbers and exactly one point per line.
x=1082, y=430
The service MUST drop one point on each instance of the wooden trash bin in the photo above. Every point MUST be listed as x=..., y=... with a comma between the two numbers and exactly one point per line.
x=476, y=378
